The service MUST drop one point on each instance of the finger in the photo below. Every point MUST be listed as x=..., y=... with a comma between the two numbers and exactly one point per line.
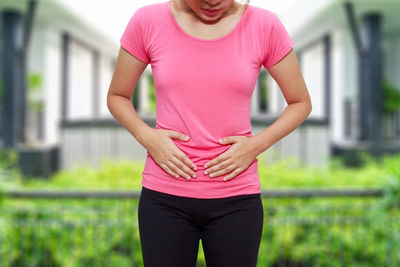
x=215, y=161
x=186, y=160
x=222, y=170
x=233, y=174
x=183, y=167
x=178, y=135
x=171, y=164
x=169, y=171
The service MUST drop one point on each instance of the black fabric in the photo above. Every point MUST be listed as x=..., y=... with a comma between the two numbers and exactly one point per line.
x=171, y=226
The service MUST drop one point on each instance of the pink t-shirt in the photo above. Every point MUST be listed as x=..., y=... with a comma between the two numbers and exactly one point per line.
x=203, y=89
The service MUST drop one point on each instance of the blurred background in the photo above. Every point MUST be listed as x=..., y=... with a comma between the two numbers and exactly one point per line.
x=56, y=133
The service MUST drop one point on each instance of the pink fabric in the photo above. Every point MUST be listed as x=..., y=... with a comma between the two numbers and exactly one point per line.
x=203, y=89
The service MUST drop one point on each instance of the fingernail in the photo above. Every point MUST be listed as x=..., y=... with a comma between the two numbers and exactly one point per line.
x=195, y=168
x=194, y=175
x=186, y=137
x=205, y=172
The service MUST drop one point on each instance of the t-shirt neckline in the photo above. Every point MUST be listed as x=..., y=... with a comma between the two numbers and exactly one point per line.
x=235, y=28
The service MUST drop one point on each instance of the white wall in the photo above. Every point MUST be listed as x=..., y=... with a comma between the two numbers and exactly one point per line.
x=45, y=58
x=301, y=11
x=53, y=86
x=338, y=85
x=344, y=84
x=314, y=76
x=276, y=98
x=313, y=73
x=106, y=71
x=80, y=94
x=36, y=65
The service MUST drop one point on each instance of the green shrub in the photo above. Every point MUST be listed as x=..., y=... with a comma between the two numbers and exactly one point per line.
x=344, y=231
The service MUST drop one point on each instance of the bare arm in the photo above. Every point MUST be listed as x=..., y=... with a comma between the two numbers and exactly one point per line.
x=287, y=74
x=244, y=150
x=157, y=141
x=126, y=74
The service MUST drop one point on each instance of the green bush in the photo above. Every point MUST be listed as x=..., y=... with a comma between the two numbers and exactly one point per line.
x=288, y=173
x=343, y=231
x=10, y=173
x=391, y=97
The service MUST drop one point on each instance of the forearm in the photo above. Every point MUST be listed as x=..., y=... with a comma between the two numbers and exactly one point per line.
x=123, y=111
x=291, y=118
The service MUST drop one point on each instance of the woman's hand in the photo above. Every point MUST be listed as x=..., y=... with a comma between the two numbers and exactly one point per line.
x=167, y=155
x=235, y=159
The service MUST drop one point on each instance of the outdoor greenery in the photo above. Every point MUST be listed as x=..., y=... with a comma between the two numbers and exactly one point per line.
x=152, y=95
x=35, y=88
x=391, y=97
x=340, y=231
x=264, y=90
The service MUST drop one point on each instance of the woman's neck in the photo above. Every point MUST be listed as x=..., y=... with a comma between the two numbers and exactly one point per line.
x=183, y=8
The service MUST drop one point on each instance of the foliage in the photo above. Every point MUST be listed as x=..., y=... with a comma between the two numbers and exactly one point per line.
x=391, y=97
x=152, y=96
x=331, y=232
x=10, y=173
x=35, y=91
x=290, y=173
x=112, y=174
x=35, y=81
x=344, y=231
x=391, y=199
x=81, y=233
x=287, y=173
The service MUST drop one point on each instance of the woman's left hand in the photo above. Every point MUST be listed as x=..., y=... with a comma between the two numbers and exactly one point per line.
x=235, y=159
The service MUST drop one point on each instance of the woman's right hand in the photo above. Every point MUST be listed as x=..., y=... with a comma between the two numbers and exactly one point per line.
x=167, y=155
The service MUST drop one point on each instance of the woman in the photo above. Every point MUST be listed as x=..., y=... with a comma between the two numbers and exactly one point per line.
x=200, y=179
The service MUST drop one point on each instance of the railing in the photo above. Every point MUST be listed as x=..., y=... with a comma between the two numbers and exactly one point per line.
x=391, y=126
x=332, y=227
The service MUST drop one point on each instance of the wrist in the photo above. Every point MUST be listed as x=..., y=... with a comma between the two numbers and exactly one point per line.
x=144, y=135
x=258, y=144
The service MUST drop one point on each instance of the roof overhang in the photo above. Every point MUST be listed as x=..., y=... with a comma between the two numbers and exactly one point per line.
x=333, y=15
x=53, y=13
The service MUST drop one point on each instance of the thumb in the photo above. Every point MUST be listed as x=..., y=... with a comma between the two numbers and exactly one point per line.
x=180, y=136
x=226, y=140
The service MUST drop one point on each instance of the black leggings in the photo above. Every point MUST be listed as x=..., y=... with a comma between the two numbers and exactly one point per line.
x=171, y=226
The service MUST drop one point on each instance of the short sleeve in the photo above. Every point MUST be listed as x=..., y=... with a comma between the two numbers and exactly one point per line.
x=134, y=37
x=278, y=42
